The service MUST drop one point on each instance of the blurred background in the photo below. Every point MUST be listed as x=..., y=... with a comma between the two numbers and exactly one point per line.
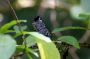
x=55, y=14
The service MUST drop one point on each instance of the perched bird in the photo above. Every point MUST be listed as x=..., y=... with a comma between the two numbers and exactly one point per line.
x=40, y=26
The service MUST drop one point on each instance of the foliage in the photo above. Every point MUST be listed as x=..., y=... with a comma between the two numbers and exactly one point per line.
x=67, y=28
x=70, y=40
x=45, y=45
x=8, y=44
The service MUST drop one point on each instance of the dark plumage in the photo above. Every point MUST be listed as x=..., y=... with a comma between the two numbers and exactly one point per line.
x=40, y=26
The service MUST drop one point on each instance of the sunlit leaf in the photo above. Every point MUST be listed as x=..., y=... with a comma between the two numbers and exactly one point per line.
x=70, y=40
x=7, y=46
x=5, y=27
x=46, y=47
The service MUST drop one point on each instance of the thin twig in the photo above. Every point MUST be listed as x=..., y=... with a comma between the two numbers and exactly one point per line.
x=17, y=19
x=12, y=9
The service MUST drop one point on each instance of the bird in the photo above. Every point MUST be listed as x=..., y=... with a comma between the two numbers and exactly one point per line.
x=40, y=26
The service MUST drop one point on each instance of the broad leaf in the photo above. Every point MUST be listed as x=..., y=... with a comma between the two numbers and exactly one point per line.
x=5, y=27
x=46, y=47
x=70, y=40
x=7, y=46
x=84, y=16
x=67, y=28
x=30, y=40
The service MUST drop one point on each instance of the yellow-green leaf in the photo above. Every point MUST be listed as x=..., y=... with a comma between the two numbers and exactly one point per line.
x=46, y=47
x=5, y=27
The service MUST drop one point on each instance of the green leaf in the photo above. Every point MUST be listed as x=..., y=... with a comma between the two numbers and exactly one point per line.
x=26, y=56
x=70, y=40
x=67, y=28
x=46, y=47
x=7, y=46
x=30, y=52
x=84, y=15
x=30, y=40
x=17, y=29
x=20, y=48
x=6, y=27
